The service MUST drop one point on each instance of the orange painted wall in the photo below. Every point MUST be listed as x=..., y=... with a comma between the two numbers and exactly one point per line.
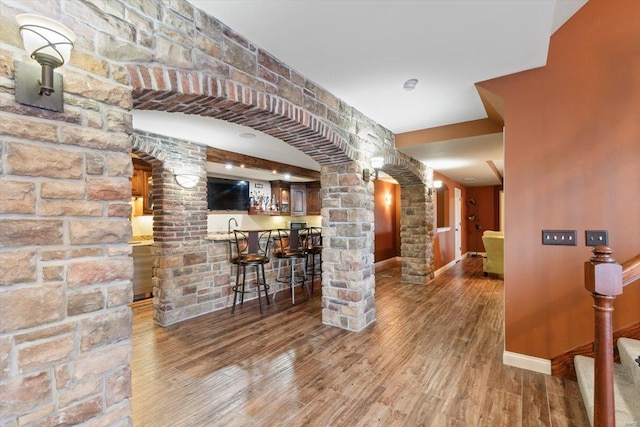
x=444, y=242
x=387, y=231
x=572, y=161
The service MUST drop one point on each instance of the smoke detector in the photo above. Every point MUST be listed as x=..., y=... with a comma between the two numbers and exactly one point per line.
x=410, y=84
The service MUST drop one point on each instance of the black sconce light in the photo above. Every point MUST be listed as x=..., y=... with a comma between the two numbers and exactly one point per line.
x=49, y=43
x=376, y=163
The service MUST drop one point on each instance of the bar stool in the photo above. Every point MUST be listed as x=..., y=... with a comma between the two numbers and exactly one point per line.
x=289, y=247
x=313, y=246
x=252, y=251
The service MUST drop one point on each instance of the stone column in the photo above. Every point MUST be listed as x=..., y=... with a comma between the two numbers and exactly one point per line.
x=348, y=280
x=416, y=235
x=182, y=279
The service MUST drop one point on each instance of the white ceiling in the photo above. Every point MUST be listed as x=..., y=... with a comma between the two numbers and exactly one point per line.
x=363, y=52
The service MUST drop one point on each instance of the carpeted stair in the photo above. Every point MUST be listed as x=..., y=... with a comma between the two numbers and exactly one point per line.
x=626, y=383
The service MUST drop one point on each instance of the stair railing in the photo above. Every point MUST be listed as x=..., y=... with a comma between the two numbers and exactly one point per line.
x=604, y=278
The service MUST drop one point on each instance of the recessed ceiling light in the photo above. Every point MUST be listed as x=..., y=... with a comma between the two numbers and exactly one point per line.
x=410, y=84
x=228, y=166
x=247, y=135
x=468, y=179
x=287, y=176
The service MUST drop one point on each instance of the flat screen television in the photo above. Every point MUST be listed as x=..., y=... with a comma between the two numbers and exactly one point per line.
x=227, y=194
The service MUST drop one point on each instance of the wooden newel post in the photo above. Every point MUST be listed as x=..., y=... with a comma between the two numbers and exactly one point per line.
x=603, y=278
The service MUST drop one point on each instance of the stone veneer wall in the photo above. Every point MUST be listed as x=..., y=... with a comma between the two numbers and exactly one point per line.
x=65, y=270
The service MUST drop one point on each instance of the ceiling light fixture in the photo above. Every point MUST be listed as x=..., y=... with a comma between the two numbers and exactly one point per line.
x=228, y=166
x=410, y=84
x=49, y=43
x=247, y=135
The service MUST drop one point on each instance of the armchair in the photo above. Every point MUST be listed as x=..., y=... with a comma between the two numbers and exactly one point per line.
x=493, y=262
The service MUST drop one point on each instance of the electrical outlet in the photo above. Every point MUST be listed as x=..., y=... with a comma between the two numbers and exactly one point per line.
x=560, y=237
x=596, y=237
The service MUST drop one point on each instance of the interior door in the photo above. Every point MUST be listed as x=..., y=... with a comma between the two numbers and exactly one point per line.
x=458, y=224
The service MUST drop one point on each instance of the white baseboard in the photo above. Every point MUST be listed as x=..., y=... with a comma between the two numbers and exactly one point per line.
x=529, y=363
x=444, y=267
x=451, y=264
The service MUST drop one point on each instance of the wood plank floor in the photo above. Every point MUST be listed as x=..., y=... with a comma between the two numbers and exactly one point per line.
x=433, y=358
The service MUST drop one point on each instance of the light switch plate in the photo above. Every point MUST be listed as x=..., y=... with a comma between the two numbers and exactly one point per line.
x=560, y=237
x=596, y=237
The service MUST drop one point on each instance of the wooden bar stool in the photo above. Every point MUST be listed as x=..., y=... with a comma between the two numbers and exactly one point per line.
x=252, y=251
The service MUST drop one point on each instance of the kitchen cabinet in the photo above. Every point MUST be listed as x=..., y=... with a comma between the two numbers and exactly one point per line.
x=295, y=199
x=282, y=192
x=298, y=199
x=137, y=183
x=142, y=188
x=314, y=202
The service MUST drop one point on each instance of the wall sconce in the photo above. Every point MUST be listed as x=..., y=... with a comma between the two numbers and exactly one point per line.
x=376, y=163
x=436, y=184
x=186, y=179
x=49, y=43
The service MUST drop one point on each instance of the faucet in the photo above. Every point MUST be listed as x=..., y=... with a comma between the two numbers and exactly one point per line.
x=229, y=224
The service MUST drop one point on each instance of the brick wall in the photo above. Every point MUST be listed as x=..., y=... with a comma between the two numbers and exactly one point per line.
x=65, y=270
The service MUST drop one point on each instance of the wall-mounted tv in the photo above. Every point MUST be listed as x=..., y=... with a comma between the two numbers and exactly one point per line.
x=227, y=194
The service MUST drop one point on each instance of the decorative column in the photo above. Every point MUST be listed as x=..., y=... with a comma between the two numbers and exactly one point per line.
x=348, y=277
x=182, y=278
x=416, y=235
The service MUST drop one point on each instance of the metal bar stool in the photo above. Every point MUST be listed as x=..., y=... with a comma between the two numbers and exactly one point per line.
x=289, y=247
x=312, y=238
x=252, y=251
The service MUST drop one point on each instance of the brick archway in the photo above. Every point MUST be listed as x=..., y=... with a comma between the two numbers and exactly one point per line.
x=196, y=93
x=416, y=219
x=208, y=96
x=192, y=92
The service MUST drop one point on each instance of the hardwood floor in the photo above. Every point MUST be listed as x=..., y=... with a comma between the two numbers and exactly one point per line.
x=433, y=358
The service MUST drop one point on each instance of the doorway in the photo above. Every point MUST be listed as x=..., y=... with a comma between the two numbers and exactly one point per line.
x=458, y=224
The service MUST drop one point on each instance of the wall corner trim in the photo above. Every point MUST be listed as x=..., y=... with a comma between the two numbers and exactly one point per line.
x=529, y=363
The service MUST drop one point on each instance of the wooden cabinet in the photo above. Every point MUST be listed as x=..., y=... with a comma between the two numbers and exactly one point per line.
x=295, y=199
x=282, y=192
x=298, y=199
x=142, y=188
x=137, y=182
x=314, y=202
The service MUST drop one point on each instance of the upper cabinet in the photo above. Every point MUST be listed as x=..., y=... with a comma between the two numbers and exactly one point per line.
x=137, y=182
x=282, y=193
x=298, y=199
x=142, y=188
x=314, y=202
